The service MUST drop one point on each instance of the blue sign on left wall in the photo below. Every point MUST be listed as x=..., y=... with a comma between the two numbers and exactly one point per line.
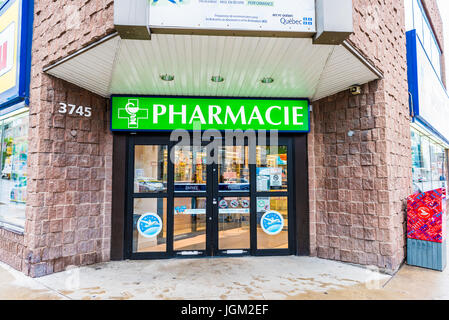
x=16, y=29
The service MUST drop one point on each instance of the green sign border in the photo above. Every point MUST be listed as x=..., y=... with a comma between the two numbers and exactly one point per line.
x=207, y=127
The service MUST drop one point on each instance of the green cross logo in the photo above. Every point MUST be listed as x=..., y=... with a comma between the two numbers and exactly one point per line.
x=133, y=113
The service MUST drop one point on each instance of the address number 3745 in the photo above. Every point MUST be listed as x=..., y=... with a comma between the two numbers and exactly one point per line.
x=65, y=108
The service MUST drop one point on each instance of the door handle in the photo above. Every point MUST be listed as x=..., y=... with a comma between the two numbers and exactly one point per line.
x=214, y=201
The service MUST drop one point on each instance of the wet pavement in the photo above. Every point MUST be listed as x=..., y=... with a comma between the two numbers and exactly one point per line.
x=273, y=278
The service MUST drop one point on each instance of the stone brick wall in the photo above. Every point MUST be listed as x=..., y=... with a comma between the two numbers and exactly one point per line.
x=70, y=157
x=63, y=27
x=69, y=187
x=359, y=184
x=12, y=249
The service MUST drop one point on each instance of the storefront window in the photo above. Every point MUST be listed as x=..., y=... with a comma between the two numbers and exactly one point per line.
x=271, y=168
x=234, y=169
x=190, y=169
x=189, y=224
x=429, y=163
x=420, y=22
x=233, y=223
x=150, y=169
x=13, y=183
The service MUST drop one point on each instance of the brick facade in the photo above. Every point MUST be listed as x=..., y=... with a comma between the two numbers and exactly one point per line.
x=69, y=187
x=70, y=157
x=358, y=184
x=12, y=249
x=357, y=197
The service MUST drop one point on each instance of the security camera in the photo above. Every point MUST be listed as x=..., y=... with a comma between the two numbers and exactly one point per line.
x=355, y=90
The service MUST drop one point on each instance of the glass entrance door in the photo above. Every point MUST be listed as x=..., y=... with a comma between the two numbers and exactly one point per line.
x=191, y=210
x=231, y=186
x=182, y=203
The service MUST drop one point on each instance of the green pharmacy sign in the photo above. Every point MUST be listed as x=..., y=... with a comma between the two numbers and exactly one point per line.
x=170, y=113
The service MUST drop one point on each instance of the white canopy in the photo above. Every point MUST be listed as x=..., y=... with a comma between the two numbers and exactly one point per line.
x=299, y=68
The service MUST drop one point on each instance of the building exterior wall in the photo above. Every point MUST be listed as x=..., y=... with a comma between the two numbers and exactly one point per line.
x=357, y=184
x=69, y=190
x=434, y=15
x=12, y=249
x=360, y=183
x=70, y=158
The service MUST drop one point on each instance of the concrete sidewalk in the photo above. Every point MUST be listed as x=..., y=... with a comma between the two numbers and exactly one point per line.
x=231, y=278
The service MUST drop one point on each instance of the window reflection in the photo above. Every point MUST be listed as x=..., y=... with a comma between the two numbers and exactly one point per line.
x=429, y=163
x=150, y=164
x=425, y=34
x=190, y=169
x=234, y=169
x=189, y=224
x=234, y=227
x=271, y=168
x=13, y=182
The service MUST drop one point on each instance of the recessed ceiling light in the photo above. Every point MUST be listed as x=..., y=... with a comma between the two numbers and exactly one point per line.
x=167, y=77
x=267, y=80
x=217, y=79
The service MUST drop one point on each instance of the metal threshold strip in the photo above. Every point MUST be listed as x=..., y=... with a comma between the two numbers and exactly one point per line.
x=189, y=253
x=235, y=252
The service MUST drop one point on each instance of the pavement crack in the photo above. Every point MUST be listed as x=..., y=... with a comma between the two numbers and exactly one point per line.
x=391, y=278
x=53, y=290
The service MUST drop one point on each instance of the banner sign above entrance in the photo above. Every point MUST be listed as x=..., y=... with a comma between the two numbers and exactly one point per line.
x=171, y=113
x=237, y=15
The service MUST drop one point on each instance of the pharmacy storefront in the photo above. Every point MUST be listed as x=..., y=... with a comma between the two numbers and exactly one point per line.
x=209, y=176
x=208, y=109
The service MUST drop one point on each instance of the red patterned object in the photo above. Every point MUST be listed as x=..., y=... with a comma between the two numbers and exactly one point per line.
x=426, y=216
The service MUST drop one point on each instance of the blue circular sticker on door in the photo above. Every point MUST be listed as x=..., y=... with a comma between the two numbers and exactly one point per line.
x=272, y=223
x=149, y=225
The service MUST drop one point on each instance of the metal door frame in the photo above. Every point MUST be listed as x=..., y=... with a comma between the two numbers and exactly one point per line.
x=212, y=188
